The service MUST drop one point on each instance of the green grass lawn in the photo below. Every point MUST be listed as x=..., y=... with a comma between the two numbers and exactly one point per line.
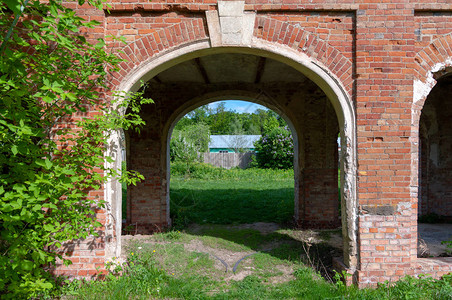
x=233, y=200
x=201, y=193
x=187, y=265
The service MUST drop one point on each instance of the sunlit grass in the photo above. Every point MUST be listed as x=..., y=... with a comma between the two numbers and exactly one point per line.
x=164, y=266
x=239, y=196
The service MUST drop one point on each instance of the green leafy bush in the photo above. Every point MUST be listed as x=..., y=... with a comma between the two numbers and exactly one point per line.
x=196, y=170
x=448, y=247
x=139, y=278
x=210, y=172
x=275, y=149
x=48, y=168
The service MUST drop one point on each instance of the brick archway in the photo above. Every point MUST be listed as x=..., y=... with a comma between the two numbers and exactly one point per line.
x=145, y=49
x=243, y=95
x=310, y=67
x=367, y=62
x=430, y=64
x=142, y=51
x=320, y=51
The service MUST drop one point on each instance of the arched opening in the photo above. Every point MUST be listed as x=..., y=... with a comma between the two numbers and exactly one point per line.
x=314, y=103
x=435, y=170
x=187, y=85
x=218, y=176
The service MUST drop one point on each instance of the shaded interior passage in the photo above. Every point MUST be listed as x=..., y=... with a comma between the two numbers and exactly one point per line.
x=198, y=81
x=435, y=166
x=436, y=152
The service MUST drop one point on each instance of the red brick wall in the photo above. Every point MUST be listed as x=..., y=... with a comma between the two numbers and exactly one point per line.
x=296, y=30
x=319, y=197
x=376, y=51
x=384, y=93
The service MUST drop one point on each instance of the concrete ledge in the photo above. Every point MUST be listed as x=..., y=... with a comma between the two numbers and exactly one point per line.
x=141, y=228
x=435, y=267
x=319, y=224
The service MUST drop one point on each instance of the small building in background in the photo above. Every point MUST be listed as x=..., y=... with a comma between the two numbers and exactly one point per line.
x=232, y=143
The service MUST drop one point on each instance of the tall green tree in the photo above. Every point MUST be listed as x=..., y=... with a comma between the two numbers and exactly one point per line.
x=270, y=124
x=200, y=114
x=236, y=126
x=51, y=154
x=222, y=121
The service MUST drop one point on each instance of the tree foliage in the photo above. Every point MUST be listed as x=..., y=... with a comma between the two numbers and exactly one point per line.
x=275, y=149
x=186, y=144
x=222, y=121
x=52, y=145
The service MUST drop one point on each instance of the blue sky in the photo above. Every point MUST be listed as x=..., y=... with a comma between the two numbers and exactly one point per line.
x=239, y=106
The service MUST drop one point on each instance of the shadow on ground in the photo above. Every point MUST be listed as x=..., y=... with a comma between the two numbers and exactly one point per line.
x=231, y=205
x=314, y=248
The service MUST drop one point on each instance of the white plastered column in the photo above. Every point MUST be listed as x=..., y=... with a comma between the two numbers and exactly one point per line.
x=113, y=198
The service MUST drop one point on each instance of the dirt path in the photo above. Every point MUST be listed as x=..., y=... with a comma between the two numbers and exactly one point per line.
x=285, y=248
x=314, y=248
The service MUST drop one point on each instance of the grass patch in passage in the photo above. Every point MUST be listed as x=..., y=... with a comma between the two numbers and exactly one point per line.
x=233, y=197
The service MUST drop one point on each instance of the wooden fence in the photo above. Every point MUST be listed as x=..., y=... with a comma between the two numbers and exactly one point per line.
x=228, y=160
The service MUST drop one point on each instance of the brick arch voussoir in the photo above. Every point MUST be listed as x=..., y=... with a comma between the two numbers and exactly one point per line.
x=427, y=60
x=430, y=63
x=281, y=32
x=150, y=45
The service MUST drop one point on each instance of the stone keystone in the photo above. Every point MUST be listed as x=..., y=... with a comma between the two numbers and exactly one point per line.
x=230, y=25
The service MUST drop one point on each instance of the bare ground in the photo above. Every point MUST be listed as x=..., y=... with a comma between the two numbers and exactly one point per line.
x=226, y=260
x=430, y=237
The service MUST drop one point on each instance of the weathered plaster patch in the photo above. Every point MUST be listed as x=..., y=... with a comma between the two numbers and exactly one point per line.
x=230, y=8
x=379, y=210
x=248, y=27
x=439, y=67
x=404, y=208
x=422, y=89
x=113, y=198
x=213, y=24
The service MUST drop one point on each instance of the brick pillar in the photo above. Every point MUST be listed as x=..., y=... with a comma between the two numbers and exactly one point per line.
x=146, y=208
x=88, y=255
x=320, y=199
x=384, y=94
x=318, y=190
